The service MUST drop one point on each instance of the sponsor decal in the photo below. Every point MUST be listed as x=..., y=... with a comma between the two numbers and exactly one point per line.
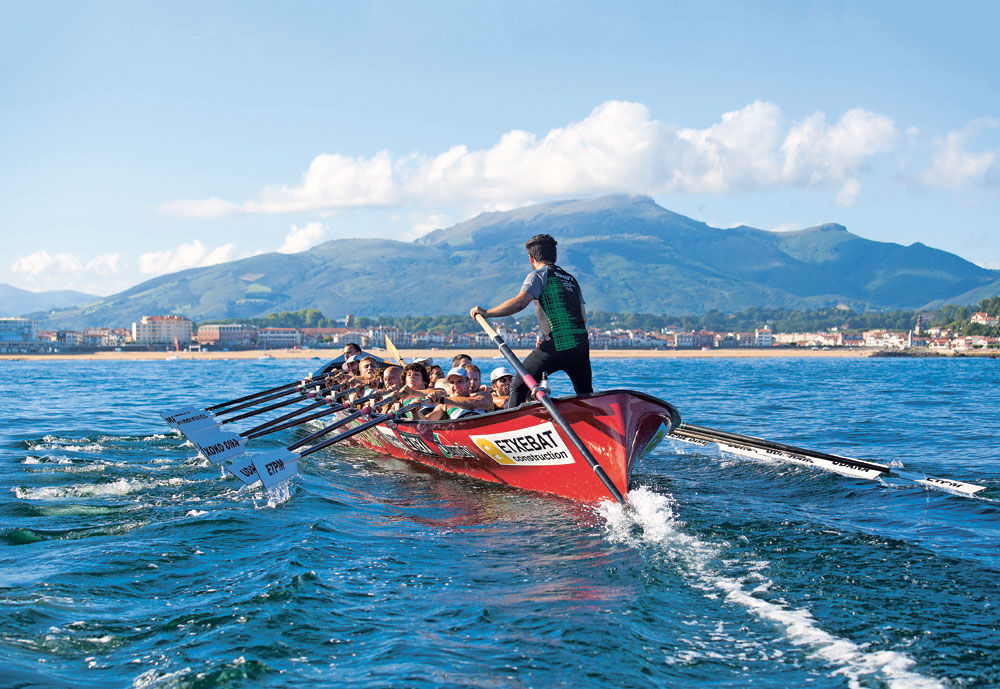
x=390, y=437
x=417, y=444
x=453, y=451
x=534, y=446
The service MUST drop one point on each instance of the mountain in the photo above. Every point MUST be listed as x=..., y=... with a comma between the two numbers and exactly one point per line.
x=17, y=302
x=628, y=253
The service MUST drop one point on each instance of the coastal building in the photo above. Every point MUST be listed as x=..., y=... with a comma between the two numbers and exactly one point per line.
x=983, y=318
x=227, y=335
x=278, y=338
x=162, y=330
x=350, y=337
x=886, y=338
x=762, y=337
x=684, y=340
x=18, y=330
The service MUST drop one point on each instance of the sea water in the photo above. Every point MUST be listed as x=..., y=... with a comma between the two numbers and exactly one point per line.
x=128, y=561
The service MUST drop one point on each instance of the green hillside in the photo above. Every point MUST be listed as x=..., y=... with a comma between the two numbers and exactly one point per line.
x=629, y=254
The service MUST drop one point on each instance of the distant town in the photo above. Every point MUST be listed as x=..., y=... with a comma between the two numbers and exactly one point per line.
x=176, y=333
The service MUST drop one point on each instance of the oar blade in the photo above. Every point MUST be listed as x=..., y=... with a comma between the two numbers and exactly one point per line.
x=189, y=425
x=276, y=466
x=217, y=446
x=393, y=351
x=171, y=416
x=945, y=484
x=244, y=469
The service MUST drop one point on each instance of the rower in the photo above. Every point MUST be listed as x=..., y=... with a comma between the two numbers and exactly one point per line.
x=459, y=401
x=559, y=304
x=500, y=380
x=352, y=364
x=461, y=360
x=416, y=390
x=435, y=377
x=475, y=378
x=392, y=377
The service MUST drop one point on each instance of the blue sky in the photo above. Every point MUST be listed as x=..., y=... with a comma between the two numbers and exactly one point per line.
x=142, y=138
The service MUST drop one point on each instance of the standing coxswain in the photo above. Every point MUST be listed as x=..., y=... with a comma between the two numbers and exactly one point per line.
x=559, y=304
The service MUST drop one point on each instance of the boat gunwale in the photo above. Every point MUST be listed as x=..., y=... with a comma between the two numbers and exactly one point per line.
x=675, y=417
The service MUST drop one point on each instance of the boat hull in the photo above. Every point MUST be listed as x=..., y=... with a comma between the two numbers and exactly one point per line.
x=524, y=448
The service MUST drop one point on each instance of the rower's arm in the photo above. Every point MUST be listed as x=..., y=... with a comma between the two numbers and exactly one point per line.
x=510, y=307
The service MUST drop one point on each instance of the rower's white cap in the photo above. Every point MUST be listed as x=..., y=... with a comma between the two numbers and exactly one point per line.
x=458, y=371
x=499, y=372
x=425, y=360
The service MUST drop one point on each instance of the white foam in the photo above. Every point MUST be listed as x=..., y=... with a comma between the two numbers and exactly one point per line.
x=30, y=459
x=652, y=521
x=122, y=486
x=51, y=442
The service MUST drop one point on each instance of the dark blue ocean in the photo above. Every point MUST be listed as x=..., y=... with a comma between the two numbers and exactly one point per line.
x=127, y=561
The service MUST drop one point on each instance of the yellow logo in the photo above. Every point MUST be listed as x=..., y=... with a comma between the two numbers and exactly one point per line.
x=490, y=448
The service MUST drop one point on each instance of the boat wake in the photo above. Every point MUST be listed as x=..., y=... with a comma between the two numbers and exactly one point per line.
x=650, y=522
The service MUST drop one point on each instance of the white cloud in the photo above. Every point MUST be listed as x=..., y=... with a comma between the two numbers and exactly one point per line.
x=848, y=193
x=105, y=264
x=42, y=270
x=193, y=255
x=303, y=238
x=618, y=147
x=422, y=223
x=787, y=227
x=42, y=262
x=954, y=167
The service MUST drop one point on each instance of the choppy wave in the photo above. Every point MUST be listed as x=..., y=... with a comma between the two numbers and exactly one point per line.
x=123, y=486
x=130, y=560
x=650, y=520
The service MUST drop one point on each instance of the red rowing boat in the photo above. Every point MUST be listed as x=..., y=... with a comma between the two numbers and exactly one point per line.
x=523, y=447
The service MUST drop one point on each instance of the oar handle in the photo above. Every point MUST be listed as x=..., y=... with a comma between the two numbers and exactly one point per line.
x=222, y=405
x=261, y=429
x=539, y=393
x=363, y=427
x=333, y=426
x=278, y=405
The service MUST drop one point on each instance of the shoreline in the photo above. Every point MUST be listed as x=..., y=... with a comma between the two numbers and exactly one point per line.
x=441, y=355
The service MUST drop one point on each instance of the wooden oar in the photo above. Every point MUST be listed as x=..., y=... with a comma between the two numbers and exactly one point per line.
x=393, y=351
x=278, y=405
x=170, y=416
x=218, y=446
x=196, y=427
x=270, y=468
x=751, y=446
x=541, y=395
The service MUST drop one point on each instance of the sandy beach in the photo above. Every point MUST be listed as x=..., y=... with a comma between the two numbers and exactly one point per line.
x=442, y=355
